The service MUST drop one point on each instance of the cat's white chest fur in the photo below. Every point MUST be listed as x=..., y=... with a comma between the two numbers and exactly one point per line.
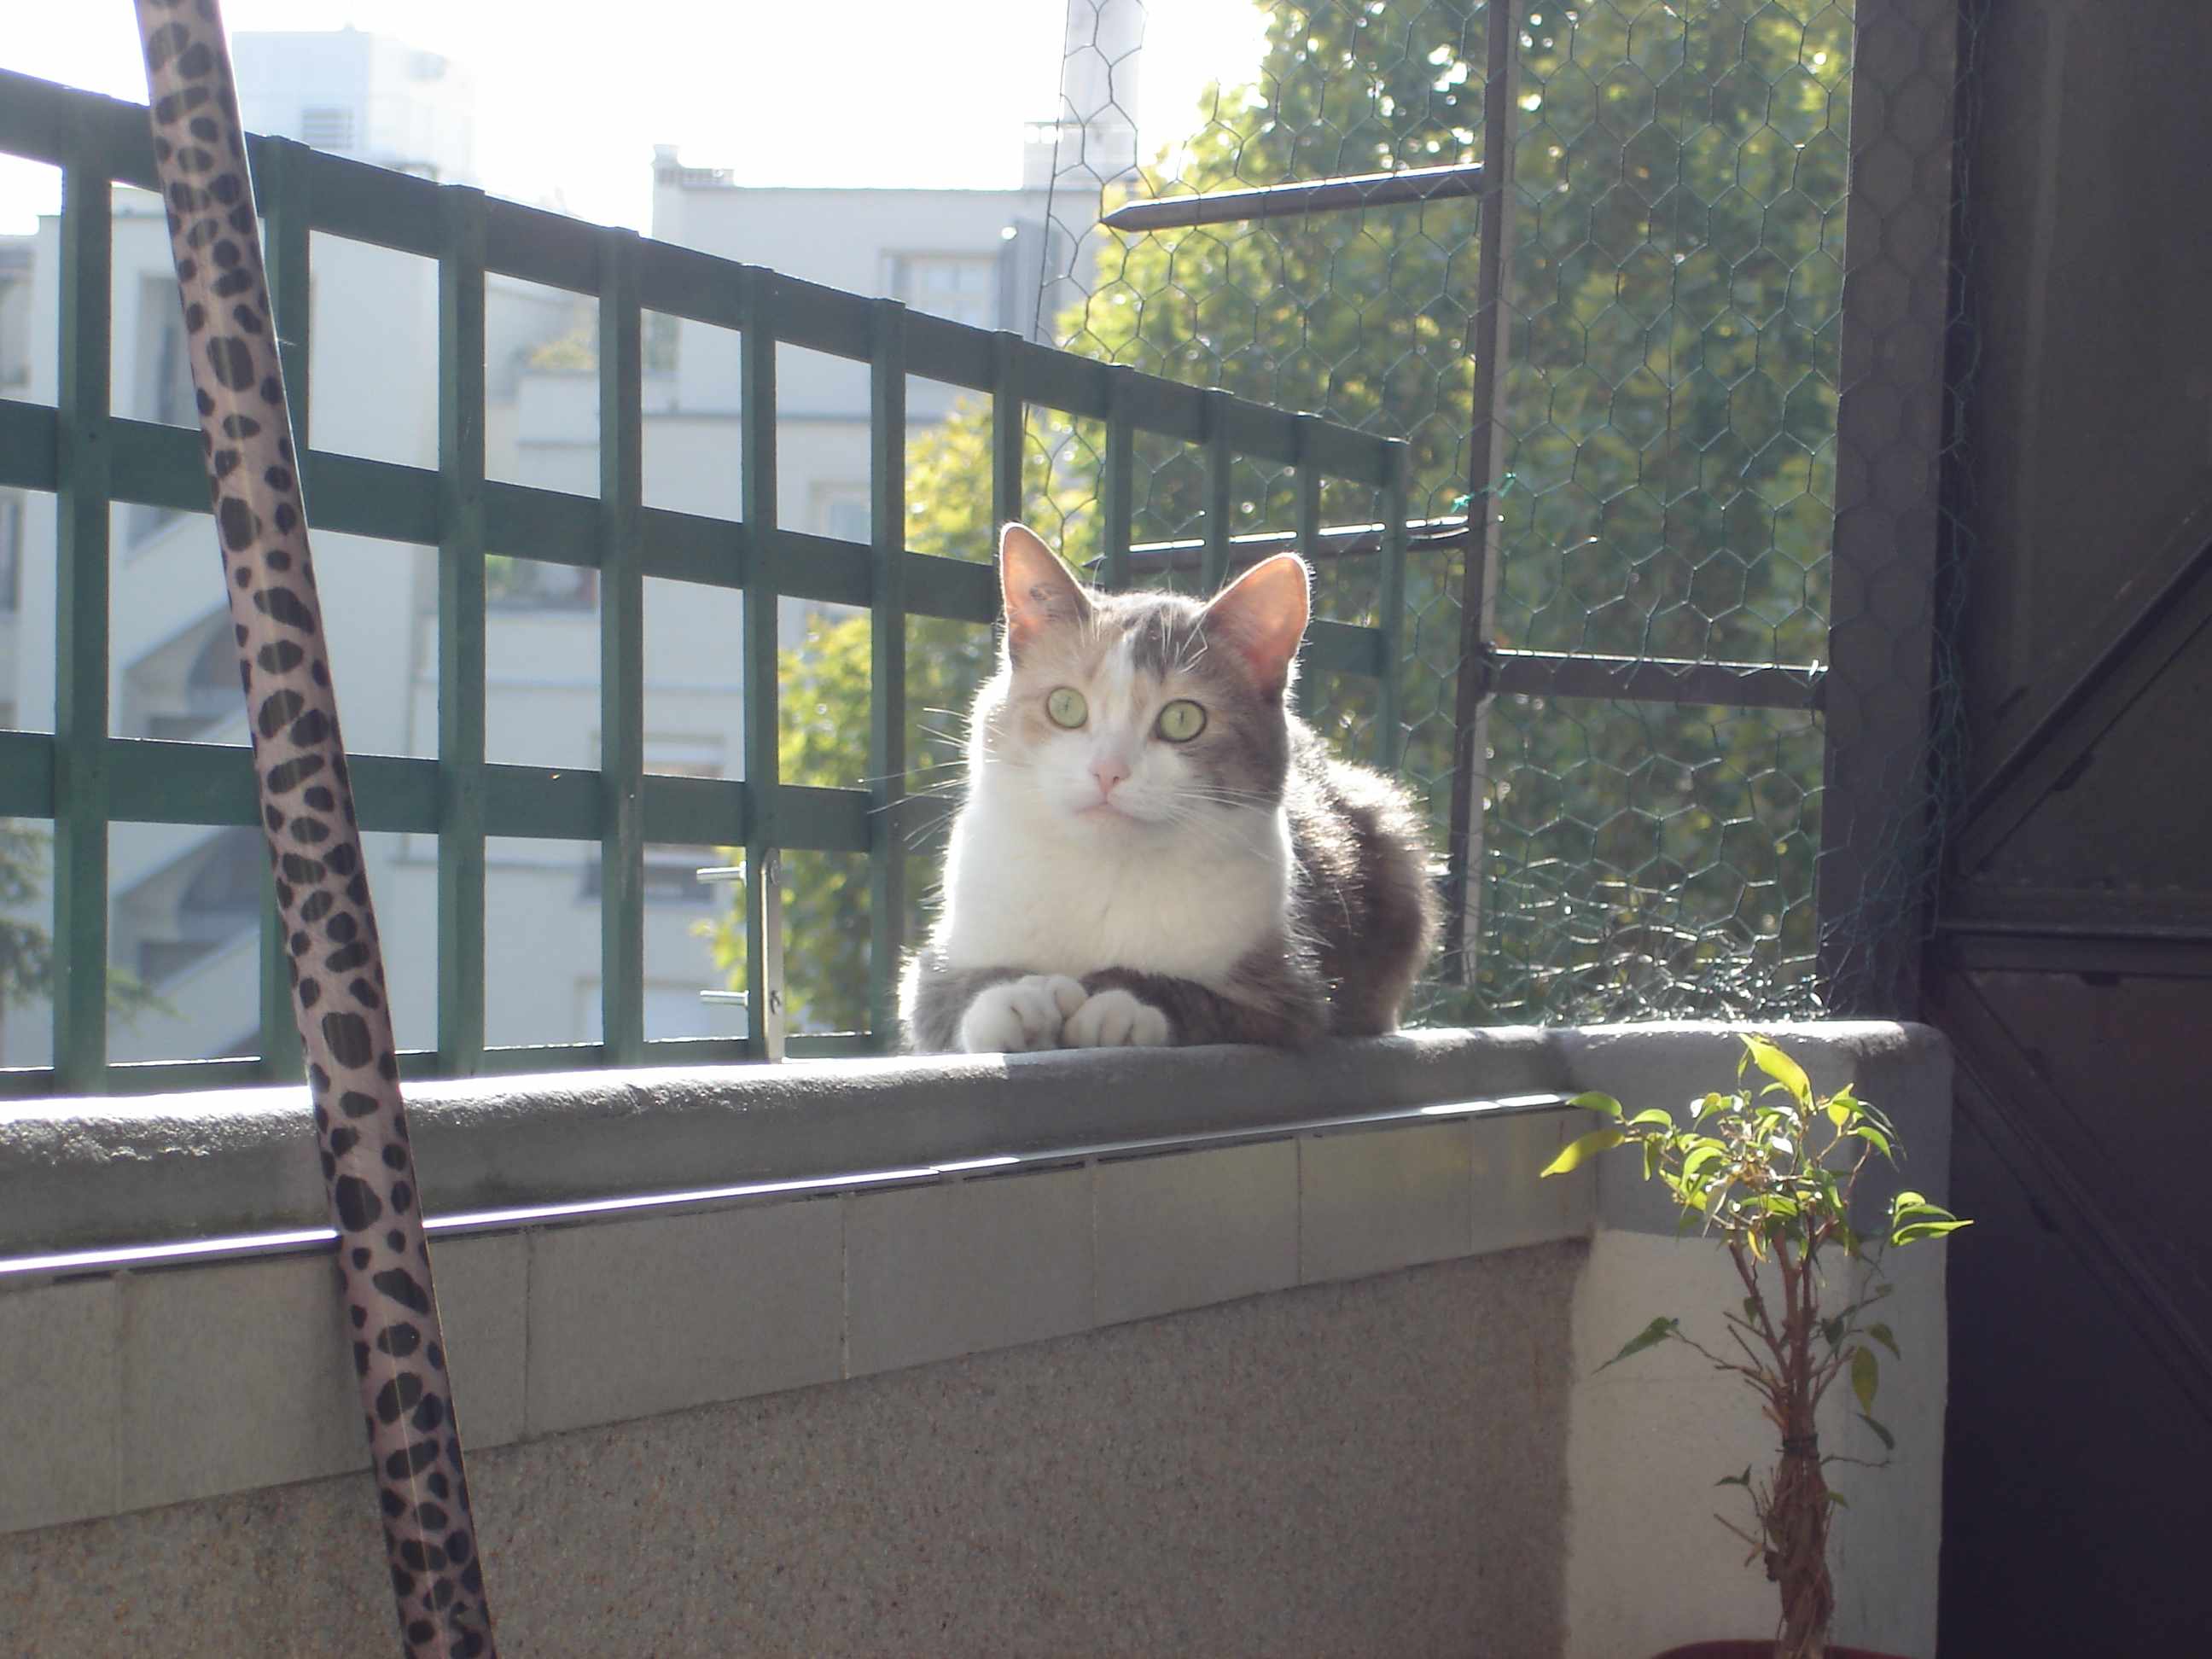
x=1019, y=896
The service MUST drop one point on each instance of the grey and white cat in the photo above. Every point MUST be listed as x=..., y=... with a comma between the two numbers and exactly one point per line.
x=1152, y=848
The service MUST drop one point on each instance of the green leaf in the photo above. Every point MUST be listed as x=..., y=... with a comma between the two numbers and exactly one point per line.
x=1743, y=1479
x=1866, y=1376
x=1882, y=1334
x=1656, y=1115
x=1658, y=1331
x=1710, y=1104
x=1888, y=1440
x=1832, y=1330
x=1839, y=1500
x=1572, y=1156
x=1830, y=1195
x=1783, y=1069
x=1596, y=1102
x=1711, y=1152
x=1918, y=1230
x=1841, y=1106
x=1912, y=1217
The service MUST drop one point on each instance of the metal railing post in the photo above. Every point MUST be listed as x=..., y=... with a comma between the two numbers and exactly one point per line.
x=764, y=1004
x=886, y=668
x=622, y=654
x=461, y=628
x=1477, y=599
x=83, y=460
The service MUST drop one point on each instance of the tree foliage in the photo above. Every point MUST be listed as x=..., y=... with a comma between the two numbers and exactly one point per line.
x=27, y=952
x=1669, y=408
x=822, y=741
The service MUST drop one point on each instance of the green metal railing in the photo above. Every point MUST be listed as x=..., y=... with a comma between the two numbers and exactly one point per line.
x=82, y=779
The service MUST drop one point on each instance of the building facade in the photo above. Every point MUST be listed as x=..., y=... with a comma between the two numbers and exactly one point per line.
x=187, y=901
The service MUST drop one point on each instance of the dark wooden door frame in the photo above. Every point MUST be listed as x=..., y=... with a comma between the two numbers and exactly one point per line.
x=1985, y=926
x=2064, y=1163
x=2175, y=607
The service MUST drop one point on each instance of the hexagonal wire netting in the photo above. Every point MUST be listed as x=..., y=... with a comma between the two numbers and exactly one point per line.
x=1619, y=723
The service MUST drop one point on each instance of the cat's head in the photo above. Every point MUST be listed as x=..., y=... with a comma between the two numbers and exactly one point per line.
x=1118, y=713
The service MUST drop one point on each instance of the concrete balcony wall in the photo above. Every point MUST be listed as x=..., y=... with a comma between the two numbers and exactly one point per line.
x=1209, y=1350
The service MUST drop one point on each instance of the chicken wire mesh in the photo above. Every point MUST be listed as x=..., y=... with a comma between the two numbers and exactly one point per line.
x=1699, y=445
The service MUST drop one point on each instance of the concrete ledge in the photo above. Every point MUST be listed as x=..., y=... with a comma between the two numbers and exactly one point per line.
x=85, y=1173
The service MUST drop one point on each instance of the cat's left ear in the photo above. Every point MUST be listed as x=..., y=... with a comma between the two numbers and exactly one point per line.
x=1040, y=592
x=1262, y=614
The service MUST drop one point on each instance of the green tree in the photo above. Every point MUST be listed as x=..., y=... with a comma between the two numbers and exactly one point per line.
x=1670, y=412
x=1669, y=405
x=823, y=742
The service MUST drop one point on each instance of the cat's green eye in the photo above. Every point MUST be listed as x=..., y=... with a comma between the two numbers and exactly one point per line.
x=1182, y=720
x=1067, y=707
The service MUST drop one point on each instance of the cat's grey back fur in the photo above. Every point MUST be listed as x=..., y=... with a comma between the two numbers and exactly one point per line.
x=1365, y=901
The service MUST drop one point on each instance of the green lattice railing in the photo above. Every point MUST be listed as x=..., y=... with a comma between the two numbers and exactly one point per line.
x=82, y=779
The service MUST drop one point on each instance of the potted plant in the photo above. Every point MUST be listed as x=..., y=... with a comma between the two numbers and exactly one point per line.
x=1770, y=1175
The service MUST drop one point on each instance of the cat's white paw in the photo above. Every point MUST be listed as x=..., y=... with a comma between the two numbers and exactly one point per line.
x=1115, y=1019
x=1019, y=1015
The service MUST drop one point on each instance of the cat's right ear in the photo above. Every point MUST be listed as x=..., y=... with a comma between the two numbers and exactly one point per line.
x=1040, y=592
x=1263, y=614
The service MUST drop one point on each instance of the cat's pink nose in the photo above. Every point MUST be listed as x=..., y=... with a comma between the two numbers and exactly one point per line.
x=1109, y=773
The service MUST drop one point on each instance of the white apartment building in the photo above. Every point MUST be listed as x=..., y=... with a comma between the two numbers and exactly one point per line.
x=185, y=901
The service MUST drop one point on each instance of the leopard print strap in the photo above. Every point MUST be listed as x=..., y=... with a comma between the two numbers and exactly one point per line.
x=306, y=808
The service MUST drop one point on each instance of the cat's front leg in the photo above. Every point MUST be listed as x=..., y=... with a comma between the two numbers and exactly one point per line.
x=1277, y=1004
x=1019, y=1015
x=1116, y=1018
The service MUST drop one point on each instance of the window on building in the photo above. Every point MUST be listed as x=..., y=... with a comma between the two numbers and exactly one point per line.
x=521, y=584
x=218, y=898
x=206, y=698
x=671, y=872
x=165, y=385
x=14, y=298
x=962, y=287
x=842, y=510
x=326, y=127
x=11, y=553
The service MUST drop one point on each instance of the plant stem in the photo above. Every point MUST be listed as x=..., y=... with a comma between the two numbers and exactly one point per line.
x=1797, y=1542
x=1797, y=1514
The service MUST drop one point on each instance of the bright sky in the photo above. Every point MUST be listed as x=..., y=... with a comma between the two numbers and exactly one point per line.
x=845, y=92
